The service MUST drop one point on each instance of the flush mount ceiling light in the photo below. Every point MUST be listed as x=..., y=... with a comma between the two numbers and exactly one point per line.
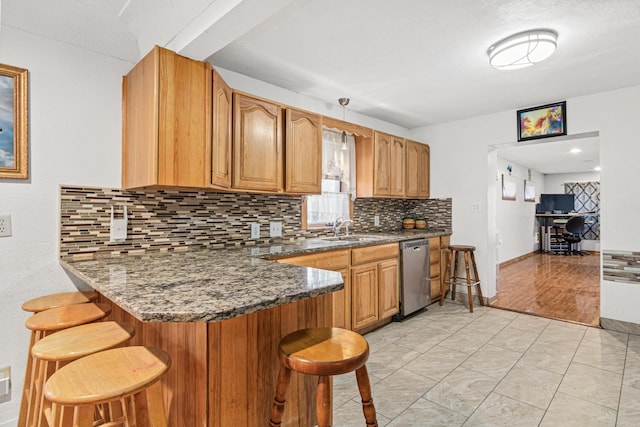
x=522, y=49
x=575, y=150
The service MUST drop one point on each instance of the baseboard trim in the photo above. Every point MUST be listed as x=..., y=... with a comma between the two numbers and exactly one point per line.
x=620, y=326
x=516, y=259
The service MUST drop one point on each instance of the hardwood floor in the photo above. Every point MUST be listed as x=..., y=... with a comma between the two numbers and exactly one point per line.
x=552, y=286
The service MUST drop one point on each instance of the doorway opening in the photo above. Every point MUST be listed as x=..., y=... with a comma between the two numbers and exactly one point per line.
x=529, y=278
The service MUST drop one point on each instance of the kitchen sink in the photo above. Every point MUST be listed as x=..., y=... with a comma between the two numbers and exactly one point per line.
x=351, y=238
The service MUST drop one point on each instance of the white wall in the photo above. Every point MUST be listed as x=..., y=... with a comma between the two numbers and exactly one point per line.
x=463, y=174
x=75, y=138
x=518, y=233
x=554, y=182
x=74, y=115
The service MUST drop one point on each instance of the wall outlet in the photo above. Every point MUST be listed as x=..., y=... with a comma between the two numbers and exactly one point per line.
x=5, y=225
x=376, y=220
x=475, y=207
x=275, y=229
x=5, y=382
x=255, y=230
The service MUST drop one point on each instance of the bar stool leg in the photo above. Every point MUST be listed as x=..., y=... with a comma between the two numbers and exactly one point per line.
x=278, y=402
x=446, y=279
x=468, y=275
x=369, y=410
x=155, y=404
x=456, y=257
x=83, y=416
x=323, y=402
x=477, y=278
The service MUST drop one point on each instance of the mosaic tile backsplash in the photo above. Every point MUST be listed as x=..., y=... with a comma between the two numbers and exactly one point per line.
x=621, y=266
x=166, y=220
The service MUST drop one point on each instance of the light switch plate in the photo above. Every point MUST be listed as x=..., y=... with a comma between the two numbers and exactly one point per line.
x=376, y=220
x=255, y=230
x=275, y=229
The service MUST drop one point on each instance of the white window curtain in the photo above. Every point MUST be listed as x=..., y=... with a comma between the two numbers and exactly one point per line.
x=338, y=177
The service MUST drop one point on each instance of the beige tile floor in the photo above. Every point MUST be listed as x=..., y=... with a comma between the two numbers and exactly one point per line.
x=448, y=367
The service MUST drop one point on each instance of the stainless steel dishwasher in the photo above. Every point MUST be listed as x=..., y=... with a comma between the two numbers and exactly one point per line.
x=415, y=279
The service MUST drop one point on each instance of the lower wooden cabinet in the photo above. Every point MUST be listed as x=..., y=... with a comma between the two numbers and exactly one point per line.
x=374, y=284
x=388, y=288
x=370, y=277
x=334, y=261
x=438, y=247
x=364, y=295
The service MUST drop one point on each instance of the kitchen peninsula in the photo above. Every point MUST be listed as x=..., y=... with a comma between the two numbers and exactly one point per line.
x=220, y=315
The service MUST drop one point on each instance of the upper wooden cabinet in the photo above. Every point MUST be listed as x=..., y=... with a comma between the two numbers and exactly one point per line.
x=166, y=121
x=221, y=132
x=257, y=144
x=303, y=153
x=417, y=170
x=380, y=166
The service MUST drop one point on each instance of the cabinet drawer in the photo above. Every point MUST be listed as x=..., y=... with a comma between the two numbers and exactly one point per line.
x=435, y=270
x=434, y=244
x=434, y=256
x=333, y=260
x=373, y=253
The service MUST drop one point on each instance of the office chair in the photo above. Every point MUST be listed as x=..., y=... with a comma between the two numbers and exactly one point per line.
x=573, y=235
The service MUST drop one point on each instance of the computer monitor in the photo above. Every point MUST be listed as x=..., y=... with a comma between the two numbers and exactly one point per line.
x=556, y=203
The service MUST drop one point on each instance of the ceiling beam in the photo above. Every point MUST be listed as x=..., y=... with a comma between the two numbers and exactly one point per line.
x=223, y=22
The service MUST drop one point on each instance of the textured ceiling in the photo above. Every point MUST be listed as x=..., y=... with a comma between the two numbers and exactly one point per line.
x=410, y=62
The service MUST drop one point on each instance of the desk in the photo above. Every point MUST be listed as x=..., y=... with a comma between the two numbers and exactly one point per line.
x=548, y=220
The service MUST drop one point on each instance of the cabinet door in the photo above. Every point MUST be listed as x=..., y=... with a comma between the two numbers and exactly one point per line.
x=166, y=121
x=342, y=303
x=364, y=295
x=257, y=139
x=183, y=120
x=221, y=133
x=424, y=171
x=382, y=164
x=397, y=173
x=388, y=288
x=303, y=155
x=412, y=169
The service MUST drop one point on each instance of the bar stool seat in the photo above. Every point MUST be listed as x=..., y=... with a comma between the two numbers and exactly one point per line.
x=112, y=375
x=54, y=351
x=44, y=323
x=323, y=352
x=453, y=280
x=47, y=302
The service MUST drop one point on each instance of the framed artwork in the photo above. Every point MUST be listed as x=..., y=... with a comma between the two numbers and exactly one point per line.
x=542, y=122
x=529, y=191
x=508, y=188
x=14, y=147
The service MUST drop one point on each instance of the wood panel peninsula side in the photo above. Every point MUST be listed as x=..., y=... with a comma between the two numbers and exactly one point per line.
x=220, y=315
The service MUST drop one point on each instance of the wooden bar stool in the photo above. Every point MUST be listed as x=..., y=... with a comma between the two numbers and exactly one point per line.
x=114, y=375
x=46, y=322
x=47, y=302
x=323, y=352
x=56, y=350
x=454, y=252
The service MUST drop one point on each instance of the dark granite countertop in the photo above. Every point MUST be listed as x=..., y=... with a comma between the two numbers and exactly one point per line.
x=208, y=285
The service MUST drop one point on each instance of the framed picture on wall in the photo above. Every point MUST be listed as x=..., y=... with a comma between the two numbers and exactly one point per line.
x=13, y=123
x=508, y=188
x=542, y=122
x=529, y=191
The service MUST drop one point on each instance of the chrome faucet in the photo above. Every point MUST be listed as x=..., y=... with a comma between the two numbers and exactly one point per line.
x=338, y=223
